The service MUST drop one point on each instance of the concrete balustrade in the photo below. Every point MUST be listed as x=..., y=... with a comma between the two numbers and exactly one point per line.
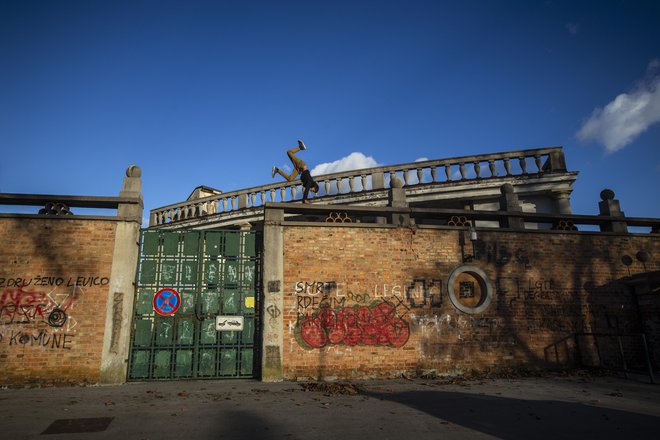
x=364, y=181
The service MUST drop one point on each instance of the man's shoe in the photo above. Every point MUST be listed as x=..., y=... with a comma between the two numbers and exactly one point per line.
x=301, y=145
x=273, y=172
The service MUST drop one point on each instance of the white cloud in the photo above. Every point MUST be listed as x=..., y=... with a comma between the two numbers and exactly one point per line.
x=624, y=119
x=422, y=159
x=353, y=161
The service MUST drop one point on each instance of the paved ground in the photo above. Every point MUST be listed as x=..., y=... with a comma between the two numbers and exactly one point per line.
x=529, y=408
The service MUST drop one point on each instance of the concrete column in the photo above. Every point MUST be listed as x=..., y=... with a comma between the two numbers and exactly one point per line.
x=119, y=305
x=610, y=207
x=557, y=162
x=397, y=199
x=242, y=201
x=509, y=202
x=378, y=180
x=273, y=323
x=563, y=202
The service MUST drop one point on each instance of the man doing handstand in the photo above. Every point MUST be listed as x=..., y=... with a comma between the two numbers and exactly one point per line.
x=299, y=167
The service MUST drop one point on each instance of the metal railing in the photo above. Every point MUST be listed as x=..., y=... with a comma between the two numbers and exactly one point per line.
x=603, y=350
x=60, y=205
x=459, y=169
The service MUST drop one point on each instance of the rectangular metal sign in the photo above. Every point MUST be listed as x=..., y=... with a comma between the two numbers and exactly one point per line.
x=232, y=323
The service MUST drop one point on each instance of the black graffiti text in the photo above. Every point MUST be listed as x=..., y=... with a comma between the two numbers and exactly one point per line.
x=44, y=339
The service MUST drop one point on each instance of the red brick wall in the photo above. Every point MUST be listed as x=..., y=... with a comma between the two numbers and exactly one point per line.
x=545, y=287
x=54, y=281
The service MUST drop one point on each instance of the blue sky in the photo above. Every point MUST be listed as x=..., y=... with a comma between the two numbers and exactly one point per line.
x=213, y=93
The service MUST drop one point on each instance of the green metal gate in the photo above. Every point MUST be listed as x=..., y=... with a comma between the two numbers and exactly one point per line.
x=215, y=273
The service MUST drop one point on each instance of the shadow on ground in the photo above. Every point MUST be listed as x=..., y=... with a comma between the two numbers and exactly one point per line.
x=509, y=418
x=246, y=425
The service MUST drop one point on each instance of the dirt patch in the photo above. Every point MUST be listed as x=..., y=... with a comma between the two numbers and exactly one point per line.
x=509, y=373
x=332, y=388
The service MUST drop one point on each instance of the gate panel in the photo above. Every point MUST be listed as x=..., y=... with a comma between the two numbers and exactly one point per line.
x=215, y=273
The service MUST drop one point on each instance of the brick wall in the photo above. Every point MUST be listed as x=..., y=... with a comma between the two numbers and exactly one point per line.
x=54, y=282
x=374, y=302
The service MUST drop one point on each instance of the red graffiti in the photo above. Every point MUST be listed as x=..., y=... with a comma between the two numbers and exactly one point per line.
x=18, y=306
x=377, y=324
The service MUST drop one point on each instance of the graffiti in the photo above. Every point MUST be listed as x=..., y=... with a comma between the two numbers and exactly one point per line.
x=491, y=324
x=187, y=301
x=493, y=342
x=57, y=318
x=315, y=287
x=422, y=292
x=522, y=258
x=388, y=290
x=553, y=307
x=274, y=286
x=501, y=255
x=211, y=271
x=273, y=358
x=42, y=281
x=249, y=274
x=358, y=297
x=164, y=330
x=378, y=324
x=186, y=332
x=273, y=311
x=168, y=271
x=232, y=274
x=466, y=289
x=61, y=341
x=20, y=306
x=305, y=303
x=512, y=291
x=188, y=273
x=210, y=330
x=117, y=310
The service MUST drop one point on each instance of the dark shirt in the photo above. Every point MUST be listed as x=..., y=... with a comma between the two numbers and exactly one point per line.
x=307, y=181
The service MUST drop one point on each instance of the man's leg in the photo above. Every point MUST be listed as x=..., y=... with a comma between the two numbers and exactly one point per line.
x=298, y=164
x=288, y=177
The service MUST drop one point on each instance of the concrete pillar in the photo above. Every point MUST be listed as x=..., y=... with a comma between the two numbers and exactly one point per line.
x=557, y=162
x=397, y=199
x=132, y=187
x=242, y=201
x=609, y=206
x=273, y=323
x=509, y=202
x=563, y=202
x=378, y=180
x=119, y=305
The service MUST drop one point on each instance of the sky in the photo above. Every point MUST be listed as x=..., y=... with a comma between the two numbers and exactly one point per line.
x=214, y=93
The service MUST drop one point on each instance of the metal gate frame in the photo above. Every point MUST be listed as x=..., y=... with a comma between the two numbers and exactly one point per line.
x=215, y=273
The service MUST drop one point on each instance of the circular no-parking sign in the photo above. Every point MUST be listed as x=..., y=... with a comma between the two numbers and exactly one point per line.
x=166, y=301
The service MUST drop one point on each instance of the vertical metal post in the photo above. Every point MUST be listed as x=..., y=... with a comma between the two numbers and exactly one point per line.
x=648, y=359
x=623, y=357
x=600, y=358
x=578, y=353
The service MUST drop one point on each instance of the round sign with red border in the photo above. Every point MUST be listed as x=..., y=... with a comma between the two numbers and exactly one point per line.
x=166, y=301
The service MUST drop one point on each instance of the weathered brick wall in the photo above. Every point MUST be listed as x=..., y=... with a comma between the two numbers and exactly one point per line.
x=54, y=282
x=373, y=301
x=649, y=305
